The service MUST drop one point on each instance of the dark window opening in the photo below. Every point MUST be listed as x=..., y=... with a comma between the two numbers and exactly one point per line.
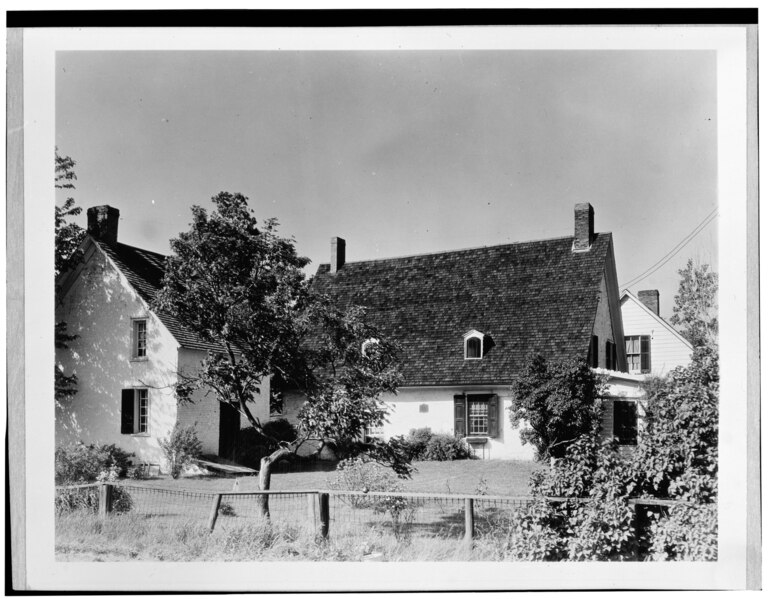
x=626, y=422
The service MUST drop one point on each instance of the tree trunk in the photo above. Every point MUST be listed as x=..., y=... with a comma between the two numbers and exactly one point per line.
x=265, y=474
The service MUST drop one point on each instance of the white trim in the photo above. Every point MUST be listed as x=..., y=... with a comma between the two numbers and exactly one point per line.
x=473, y=334
x=657, y=317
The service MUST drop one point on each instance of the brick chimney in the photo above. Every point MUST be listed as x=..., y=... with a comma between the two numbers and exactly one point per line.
x=337, y=253
x=102, y=223
x=651, y=299
x=583, y=227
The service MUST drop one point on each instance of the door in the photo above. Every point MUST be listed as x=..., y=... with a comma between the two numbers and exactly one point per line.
x=229, y=427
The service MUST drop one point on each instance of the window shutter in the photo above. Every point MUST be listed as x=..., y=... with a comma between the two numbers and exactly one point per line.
x=127, y=412
x=459, y=416
x=592, y=358
x=493, y=416
x=614, y=356
x=646, y=358
x=608, y=355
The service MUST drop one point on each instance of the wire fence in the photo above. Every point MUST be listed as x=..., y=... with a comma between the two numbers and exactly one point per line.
x=341, y=514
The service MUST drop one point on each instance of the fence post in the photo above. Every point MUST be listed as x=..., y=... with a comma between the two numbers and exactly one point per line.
x=312, y=499
x=214, y=511
x=469, y=522
x=324, y=514
x=105, y=500
x=641, y=522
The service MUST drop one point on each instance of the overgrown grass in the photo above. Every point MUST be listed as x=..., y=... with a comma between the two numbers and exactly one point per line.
x=83, y=537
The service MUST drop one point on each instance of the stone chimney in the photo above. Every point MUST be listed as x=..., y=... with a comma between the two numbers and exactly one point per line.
x=583, y=227
x=102, y=223
x=337, y=253
x=651, y=299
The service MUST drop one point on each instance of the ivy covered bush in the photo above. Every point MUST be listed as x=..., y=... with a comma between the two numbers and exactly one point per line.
x=676, y=459
x=253, y=446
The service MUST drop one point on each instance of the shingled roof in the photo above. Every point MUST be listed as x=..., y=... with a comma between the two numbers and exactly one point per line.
x=144, y=271
x=537, y=296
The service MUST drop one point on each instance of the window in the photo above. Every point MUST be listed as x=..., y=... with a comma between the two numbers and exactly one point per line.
x=473, y=345
x=135, y=412
x=139, y=339
x=611, y=355
x=277, y=403
x=374, y=432
x=638, y=350
x=626, y=422
x=592, y=354
x=476, y=415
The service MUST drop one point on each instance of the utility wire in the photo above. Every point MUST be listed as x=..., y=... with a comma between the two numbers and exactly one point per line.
x=678, y=247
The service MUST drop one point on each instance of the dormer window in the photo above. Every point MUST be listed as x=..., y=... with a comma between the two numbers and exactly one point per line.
x=473, y=345
x=367, y=345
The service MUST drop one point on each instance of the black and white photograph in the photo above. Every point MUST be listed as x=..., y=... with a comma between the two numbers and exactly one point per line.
x=377, y=299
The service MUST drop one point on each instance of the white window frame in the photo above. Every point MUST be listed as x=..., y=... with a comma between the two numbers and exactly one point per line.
x=135, y=322
x=484, y=416
x=141, y=395
x=473, y=335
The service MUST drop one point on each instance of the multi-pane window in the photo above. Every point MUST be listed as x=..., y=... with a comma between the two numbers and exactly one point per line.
x=626, y=422
x=140, y=339
x=473, y=348
x=478, y=417
x=135, y=412
x=638, y=350
x=374, y=432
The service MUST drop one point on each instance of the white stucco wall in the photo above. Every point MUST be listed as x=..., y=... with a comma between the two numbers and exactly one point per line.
x=668, y=349
x=405, y=415
x=99, y=307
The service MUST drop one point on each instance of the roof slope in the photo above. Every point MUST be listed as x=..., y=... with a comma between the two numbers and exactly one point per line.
x=536, y=296
x=144, y=271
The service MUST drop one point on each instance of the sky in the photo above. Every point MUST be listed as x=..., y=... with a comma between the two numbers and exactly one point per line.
x=404, y=152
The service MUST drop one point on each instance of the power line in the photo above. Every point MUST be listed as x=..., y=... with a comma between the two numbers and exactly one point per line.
x=678, y=247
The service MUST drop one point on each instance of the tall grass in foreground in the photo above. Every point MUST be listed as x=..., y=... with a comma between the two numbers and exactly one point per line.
x=82, y=536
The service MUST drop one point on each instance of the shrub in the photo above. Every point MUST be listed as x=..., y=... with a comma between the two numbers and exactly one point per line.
x=68, y=500
x=80, y=463
x=687, y=534
x=280, y=429
x=361, y=474
x=181, y=448
x=444, y=447
x=416, y=442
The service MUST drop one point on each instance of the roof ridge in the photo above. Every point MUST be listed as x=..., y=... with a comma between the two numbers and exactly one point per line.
x=460, y=250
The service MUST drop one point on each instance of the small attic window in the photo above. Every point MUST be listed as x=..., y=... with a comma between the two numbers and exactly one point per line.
x=473, y=345
x=366, y=345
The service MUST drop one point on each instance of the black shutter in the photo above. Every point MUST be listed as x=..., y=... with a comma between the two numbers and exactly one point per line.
x=127, y=412
x=646, y=357
x=493, y=416
x=614, y=356
x=608, y=355
x=459, y=416
x=592, y=356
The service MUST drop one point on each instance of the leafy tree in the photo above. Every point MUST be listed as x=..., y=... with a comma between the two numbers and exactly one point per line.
x=241, y=286
x=695, y=309
x=557, y=401
x=676, y=459
x=68, y=236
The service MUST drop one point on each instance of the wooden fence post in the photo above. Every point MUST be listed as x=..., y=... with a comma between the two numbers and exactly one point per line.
x=105, y=500
x=324, y=514
x=312, y=499
x=214, y=511
x=469, y=522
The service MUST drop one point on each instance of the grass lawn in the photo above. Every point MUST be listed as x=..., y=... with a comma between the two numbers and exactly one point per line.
x=494, y=477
